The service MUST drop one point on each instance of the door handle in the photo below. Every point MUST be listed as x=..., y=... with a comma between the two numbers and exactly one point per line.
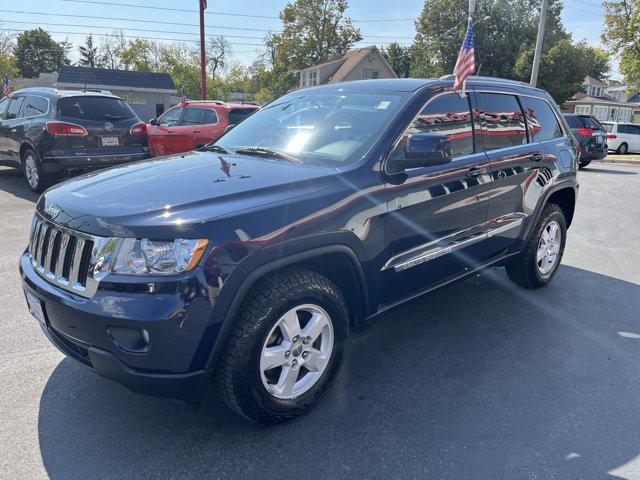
x=169, y=131
x=536, y=157
x=14, y=130
x=196, y=131
x=475, y=172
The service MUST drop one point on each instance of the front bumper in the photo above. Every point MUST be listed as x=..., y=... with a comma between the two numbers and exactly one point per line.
x=176, y=316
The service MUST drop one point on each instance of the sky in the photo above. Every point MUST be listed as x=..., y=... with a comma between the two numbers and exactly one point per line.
x=381, y=21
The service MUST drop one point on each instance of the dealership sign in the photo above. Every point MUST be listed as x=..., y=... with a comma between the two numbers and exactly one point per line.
x=132, y=100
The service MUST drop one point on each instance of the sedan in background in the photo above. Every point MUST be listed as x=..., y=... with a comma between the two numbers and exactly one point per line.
x=623, y=137
x=591, y=136
x=185, y=128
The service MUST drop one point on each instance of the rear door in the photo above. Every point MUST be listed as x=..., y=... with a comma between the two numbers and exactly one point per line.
x=107, y=121
x=516, y=161
x=194, y=131
x=631, y=135
x=162, y=135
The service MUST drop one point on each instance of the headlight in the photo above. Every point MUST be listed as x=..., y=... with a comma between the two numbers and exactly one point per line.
x=151, y=257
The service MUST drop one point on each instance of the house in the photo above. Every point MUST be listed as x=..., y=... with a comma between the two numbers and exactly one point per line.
x=148, y=93
x=606, y=102
x=360, y=64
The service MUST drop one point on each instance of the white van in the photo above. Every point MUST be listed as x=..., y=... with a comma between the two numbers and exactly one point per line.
x=623, y=137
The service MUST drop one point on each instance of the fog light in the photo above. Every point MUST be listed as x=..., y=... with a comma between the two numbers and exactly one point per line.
x=132, y=340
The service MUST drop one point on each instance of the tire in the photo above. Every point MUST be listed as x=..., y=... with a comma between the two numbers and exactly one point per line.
x=524, y=269
x=244, y=382
x=584, y=163
x=35, y=177
x=623, y=148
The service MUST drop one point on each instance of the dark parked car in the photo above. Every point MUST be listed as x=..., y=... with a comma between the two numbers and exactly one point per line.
x=250, y=262
x=51, y=133
x=591, y=136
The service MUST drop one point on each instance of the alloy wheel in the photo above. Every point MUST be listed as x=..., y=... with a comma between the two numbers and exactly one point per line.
x=549, y=247
x=31, y=171
x=297, y=351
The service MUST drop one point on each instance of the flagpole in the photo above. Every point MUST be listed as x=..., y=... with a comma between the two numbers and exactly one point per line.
x=203, y=70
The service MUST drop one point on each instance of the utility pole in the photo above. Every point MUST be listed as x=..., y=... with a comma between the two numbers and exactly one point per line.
x=536, y=56
x=203, y=61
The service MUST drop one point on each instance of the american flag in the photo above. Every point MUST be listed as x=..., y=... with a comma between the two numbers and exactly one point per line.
x=184, y=98
x=7, y=86
x=466, y=62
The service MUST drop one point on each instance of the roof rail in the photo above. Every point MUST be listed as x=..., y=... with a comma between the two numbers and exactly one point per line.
x=37, y=89
x=488, y=79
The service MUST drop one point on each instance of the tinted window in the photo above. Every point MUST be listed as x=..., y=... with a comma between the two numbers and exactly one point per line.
x=4, y=103
x=35, y=106
x=447, y=115
x=98, y=109
x=590, y=122
x=211, y=117
x=194, y=116
x=573, y=121
x=237, y=115
x=630, y=129
x=543, y=123
x=504, y=122
x=170, y=118
x=14, y=108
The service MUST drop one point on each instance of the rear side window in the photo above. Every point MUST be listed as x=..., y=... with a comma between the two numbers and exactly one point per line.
x=573, y=121
x=503, y=121
x=34, y=106
x=447, y=115
x=14, y=108
x=194, y=116
x=211, y=117
x=170, y=118
x=236, y=115
x=543, y=123
x=629, y=129
x=97, y=109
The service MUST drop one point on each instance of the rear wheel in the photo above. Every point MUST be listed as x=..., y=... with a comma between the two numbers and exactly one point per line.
x=584, y=163
x=623, y=148
x=536, y=265
x=285, y=350
x=33, y=173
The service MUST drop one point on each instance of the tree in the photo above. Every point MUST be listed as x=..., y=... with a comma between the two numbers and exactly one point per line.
x=111, y=47
x=621, y=34
x=312, y=31
x=399, y=58
x=218, y=53
x=89, y=54
x=37, y=52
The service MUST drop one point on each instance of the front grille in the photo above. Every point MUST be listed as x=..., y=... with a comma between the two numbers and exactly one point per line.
x=60, y=256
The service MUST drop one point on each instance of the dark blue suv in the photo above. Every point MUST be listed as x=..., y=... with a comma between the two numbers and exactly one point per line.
x=248, y=263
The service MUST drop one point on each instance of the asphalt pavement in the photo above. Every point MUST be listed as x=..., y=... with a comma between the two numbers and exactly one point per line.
x=482, y=380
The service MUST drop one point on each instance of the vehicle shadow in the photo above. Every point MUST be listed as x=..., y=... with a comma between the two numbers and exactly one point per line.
x=12, y=181
x=607, y=171
x=481, y=380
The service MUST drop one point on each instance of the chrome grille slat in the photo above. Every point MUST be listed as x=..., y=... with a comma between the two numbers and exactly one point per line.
x=66, y=258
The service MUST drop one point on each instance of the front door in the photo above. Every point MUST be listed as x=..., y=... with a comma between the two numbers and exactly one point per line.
x=11, y=131
x=162, y=136
x=435, y=227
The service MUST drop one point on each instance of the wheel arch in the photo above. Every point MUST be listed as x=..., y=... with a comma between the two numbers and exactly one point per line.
x=338, y=262
x=26, y=145
x=565, y=198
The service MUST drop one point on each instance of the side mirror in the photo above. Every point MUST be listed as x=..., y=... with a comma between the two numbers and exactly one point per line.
x=229, y=127
x=423, y=150
x=153, y=121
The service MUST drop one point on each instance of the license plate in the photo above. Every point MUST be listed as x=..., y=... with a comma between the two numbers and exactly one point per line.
x=35, y=307
x=110, y=141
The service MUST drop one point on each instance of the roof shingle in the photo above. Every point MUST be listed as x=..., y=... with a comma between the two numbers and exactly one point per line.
x=106, y=77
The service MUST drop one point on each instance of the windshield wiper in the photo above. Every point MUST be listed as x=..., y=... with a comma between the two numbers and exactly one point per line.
x=266, y=152
x=214, y=148
x=115, y=118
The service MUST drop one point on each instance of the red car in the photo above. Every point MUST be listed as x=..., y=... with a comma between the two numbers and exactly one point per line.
x=182, y=129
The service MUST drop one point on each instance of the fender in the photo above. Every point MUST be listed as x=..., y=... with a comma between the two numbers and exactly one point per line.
x=240, y=282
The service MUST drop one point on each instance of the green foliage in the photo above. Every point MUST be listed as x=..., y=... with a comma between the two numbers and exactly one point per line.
x=622, y=36
x=37, y=52
x=399, y=58
x=89, y=53
x=8, y=65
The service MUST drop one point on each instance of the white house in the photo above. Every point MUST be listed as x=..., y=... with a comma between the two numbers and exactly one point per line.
x=605, y=102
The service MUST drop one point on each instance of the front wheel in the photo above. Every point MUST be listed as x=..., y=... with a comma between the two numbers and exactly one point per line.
x=285, y=349
x=33, y=173
x=623, y=148
x=536, y=265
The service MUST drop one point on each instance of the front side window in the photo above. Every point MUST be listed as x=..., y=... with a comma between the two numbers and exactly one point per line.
x=14, y=108
x=194, y=116
x=543, y=124
x=170, y=118
x=237, y=115
x=447, y=115
x=328, y=128
x=504, y=124
x=4, y=103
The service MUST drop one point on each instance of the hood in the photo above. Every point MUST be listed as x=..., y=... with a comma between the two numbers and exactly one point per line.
x=167, y=197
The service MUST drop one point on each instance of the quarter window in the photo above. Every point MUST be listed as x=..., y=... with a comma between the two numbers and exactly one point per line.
x=447, y=115
x=543, y=124
x=504, y=124
x=14, y=108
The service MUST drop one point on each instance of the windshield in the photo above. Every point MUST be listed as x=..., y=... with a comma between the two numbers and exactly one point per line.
x=331, y=129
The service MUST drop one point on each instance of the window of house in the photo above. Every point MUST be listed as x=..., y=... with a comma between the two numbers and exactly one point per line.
x=582, y=109
x=447, y=115
x=543, y=123
x=625, y=115
x=600, y=112
x=366, y=73
x=504, y=124
x=375, y=74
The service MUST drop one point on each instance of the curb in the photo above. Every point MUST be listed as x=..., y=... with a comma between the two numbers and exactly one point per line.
x=628, y=163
